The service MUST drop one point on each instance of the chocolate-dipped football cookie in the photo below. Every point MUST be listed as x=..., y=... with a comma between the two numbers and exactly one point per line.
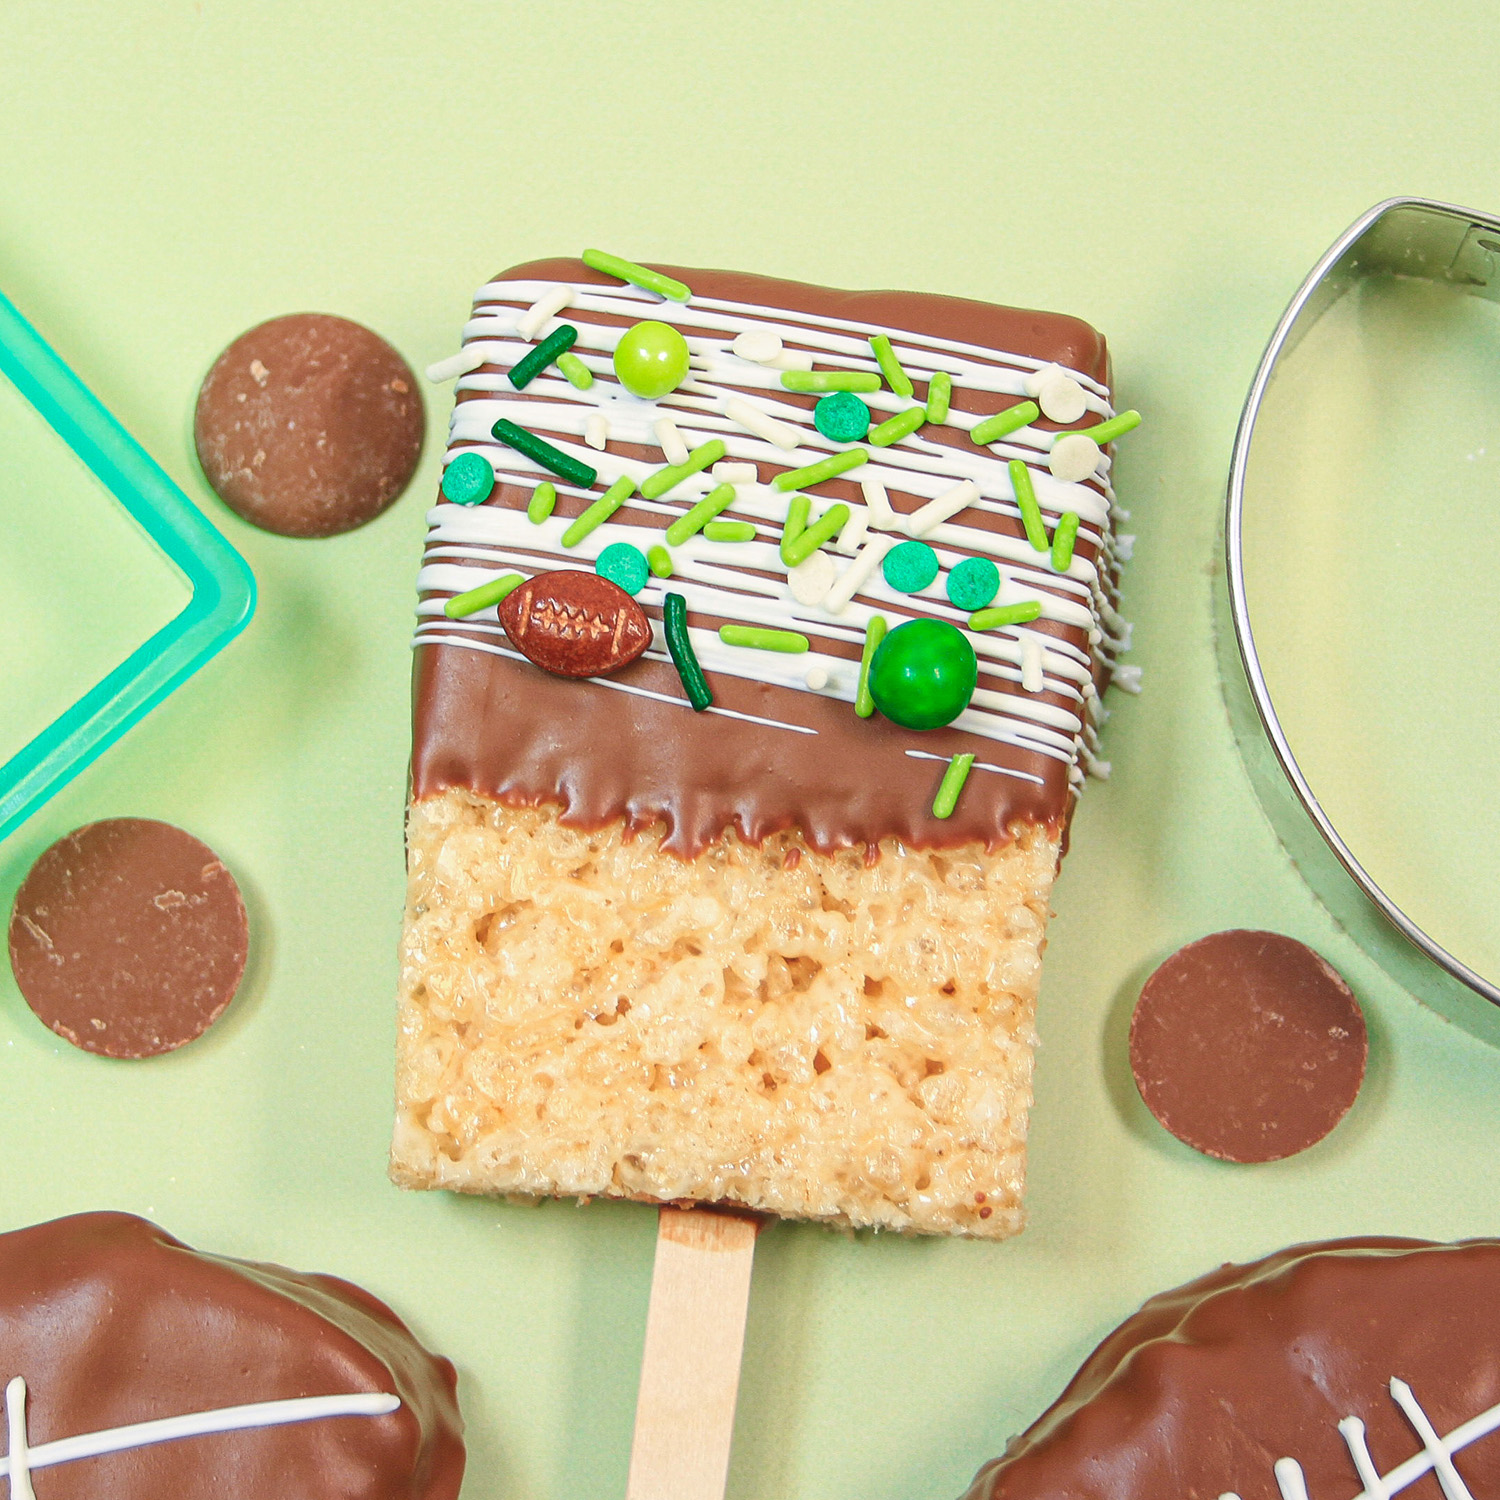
x=1346, y=1370
x=136, y=1368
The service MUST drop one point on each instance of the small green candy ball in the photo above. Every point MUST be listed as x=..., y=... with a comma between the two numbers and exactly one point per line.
x=923, y=674
x=651, y=359
x=973, y=583
x=842, y=416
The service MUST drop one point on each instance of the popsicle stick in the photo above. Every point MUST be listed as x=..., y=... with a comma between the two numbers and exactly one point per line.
x=690, y=1371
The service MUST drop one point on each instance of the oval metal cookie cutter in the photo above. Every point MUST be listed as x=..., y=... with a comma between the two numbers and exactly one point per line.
x=1430, y=241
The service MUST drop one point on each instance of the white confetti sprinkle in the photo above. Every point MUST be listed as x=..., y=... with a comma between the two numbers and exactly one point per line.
x=758, y=345
x=1062, y=399
x=1074, y=457
x=811, y=579
x=1032, y=384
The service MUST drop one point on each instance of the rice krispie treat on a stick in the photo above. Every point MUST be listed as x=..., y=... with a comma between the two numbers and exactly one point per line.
x=761, y=637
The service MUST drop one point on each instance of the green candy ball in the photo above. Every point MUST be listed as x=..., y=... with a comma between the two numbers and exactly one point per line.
x=651, y=359
x=923, y=674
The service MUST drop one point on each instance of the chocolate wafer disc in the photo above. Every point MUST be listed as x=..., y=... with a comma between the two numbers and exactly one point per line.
x=1248, y=1046
x=129, y=937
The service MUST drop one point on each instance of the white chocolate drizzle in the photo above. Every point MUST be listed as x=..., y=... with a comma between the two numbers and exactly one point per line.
x=1436, y=1454
x=1035, y=689
x=22, y=1460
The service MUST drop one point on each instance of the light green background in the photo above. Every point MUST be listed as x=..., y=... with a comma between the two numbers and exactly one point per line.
x=176, y=172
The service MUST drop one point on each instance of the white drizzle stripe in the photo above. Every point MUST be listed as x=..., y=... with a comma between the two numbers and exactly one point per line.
x=747, y=582
x=19, y=1464
x=193, y=1424
x=1436, y=1455
x=610, y=682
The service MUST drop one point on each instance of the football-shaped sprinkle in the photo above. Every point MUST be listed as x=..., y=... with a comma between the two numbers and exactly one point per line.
x=575, y=624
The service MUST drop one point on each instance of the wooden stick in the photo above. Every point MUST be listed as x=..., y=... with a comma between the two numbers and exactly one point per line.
x=690, y=1371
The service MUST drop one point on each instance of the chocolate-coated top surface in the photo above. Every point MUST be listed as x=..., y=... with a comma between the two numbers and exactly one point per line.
x=309, y=425
x=1199, y=1393
x=510, y=731
x=112, y=1322
x=1248, y=1046
x=128, y=937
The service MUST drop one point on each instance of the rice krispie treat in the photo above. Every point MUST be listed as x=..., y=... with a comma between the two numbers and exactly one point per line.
x=760, y=641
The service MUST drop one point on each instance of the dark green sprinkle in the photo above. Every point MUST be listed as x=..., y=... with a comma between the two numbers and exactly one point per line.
x=1003, y=423
x=939, y=393
x=1062, y=541
x=864, y=704
x=543, y=501
x=625, y=565
x=684, y=658
x=540, y=451
x=534, y=361
x=973, y=583
x=486, y=594
x=910, y=567
x=903, y=424
x=842, y=417
x=468, y=479
x=952, y=784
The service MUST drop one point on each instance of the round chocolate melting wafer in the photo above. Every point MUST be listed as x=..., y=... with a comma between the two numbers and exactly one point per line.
x=129, y=937
x=1248, y=1046
x=309, y=425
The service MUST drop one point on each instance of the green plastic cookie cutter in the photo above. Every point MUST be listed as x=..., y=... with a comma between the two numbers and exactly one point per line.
x=220, y=587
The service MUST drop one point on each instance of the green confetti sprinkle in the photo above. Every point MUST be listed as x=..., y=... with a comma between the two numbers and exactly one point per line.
x=842, y=417
x=641, y=276
x=825, y=468
x=684, y=658
x=903, y=424
x=895, y=377
x=468, y=479
x=578, y=374
x=827, y=526
x=600, y=511
x=1062, y=541
x=756, y=639
x=797, y=513
x=729, y=531
x=952, y=784
x=973, y=583
x=1107, y=432
x=543, y=502
x=939, y=394
x=534, y=361
x=811, y=381
x=693, y=521
x=910, y=567
x=864, y=704
x=1005, y=614
x=1031, y=512
x=662, y=481
x=1003, y=423
x=623, y=564
x=486, y=594
x=659, y=560
x=540, y=451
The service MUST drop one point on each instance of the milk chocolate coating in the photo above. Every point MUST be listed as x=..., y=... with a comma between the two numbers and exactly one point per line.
x=128, y=937
x=112, y=1322
x=505, y=729
x=1201, y=1391
x=309, y=425
x=1248, y=1046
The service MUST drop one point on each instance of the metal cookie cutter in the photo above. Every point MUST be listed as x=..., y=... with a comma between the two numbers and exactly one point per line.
x=1411, y=237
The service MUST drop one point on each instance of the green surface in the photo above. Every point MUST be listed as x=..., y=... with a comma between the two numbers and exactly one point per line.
x=178, y=172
